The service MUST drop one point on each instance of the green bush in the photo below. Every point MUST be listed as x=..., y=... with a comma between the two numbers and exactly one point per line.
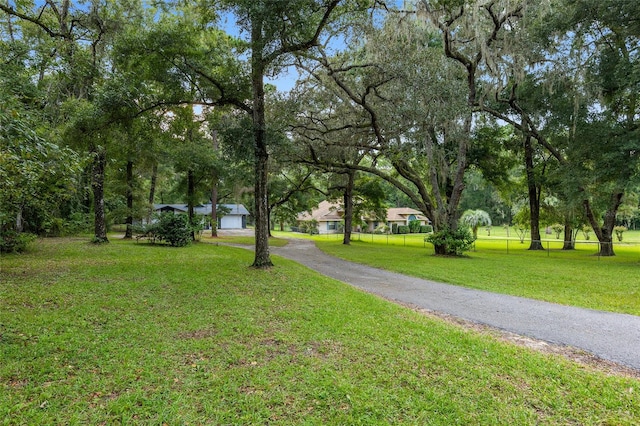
x=425, y=229
x=174, y=229
x=381, y=229
x=451, y=243
x=414, y=226
x=15, y=242
x=403, y=229
x=54, y=227
x=619, y=230
x=557, y=229
x=394, y=228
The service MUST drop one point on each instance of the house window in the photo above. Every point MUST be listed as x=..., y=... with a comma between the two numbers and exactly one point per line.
x=331, y=225
x=412, y=217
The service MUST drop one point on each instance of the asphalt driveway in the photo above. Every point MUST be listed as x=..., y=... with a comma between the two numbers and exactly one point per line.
x=611, y=336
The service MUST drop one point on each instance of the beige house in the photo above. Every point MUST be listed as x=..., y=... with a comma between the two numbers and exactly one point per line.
x=403, y=215
x=330, y=215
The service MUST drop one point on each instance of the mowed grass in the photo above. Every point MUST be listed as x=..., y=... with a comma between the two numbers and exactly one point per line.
x=578, y=277
x=130, y=333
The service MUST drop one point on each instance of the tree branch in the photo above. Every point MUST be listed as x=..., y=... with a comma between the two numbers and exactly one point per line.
x=11, y=11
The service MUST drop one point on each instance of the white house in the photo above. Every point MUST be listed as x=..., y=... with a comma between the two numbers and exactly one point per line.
x=236, y=218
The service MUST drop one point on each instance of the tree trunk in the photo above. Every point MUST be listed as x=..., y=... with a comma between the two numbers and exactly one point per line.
x=534, y=196
x=262, y=258
x=152, y=190
x=348, y=207
x=214, y=192
x=569, y=241
x=191, y=191
x=129, y=219
x=441, y=249
x=605, y=232
x=19, y=221
x=97, y=185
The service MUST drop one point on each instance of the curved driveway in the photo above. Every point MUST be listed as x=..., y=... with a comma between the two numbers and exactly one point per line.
x=611, y=336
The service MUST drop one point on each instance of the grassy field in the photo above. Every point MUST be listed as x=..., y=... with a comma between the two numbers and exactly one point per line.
x=578, y=278
x=129, y=333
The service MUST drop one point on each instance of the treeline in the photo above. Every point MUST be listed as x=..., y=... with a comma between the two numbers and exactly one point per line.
x=523, y=109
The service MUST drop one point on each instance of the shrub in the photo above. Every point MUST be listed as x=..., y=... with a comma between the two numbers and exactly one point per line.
x=15, y=242
x=174, y=229
x=309, y=227
x=451, y=243
x=557, y=228
x=414, y=226
x=54, y=227
x=198, y=224
x=474, y=219
x=403, y=229
x=426, y=229
x=381, y=229
x=394, y=228
x=619, y=230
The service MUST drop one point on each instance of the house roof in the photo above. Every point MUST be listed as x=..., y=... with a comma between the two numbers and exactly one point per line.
x=238, y=209
x=170, y=207
x=325, y=212
x=204, y=209
x=396, y=214
x=329, y=212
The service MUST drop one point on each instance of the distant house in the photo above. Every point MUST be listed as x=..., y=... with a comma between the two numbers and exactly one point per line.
x=236, y=218
x=330, y=215
x=401, y=216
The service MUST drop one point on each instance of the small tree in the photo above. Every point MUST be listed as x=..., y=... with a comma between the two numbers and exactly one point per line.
x=474, y=219
x=174, y=229
x=557, y=229
x=619, y=230
x=457, y=242
x=521, y=224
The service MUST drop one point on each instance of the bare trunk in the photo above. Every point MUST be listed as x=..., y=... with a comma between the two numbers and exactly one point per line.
x=262, y=258
x=569, y=241
x=152, y=190
x=348, y=207
x=604, y=232
x=214, y=192
x=534, y=196
x=129, y=219
x=97, y=185
x=191, y=191
x=19, y=221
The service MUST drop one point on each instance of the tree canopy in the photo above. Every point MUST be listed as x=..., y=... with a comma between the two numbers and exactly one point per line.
x=109, y=106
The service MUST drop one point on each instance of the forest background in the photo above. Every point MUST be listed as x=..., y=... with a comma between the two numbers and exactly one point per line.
x=527, y=110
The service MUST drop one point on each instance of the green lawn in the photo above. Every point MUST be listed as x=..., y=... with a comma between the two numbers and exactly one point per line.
x=143, y=334
x=578, y=278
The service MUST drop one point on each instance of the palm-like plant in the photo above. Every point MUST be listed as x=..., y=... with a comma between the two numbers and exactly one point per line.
x=474, y=219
